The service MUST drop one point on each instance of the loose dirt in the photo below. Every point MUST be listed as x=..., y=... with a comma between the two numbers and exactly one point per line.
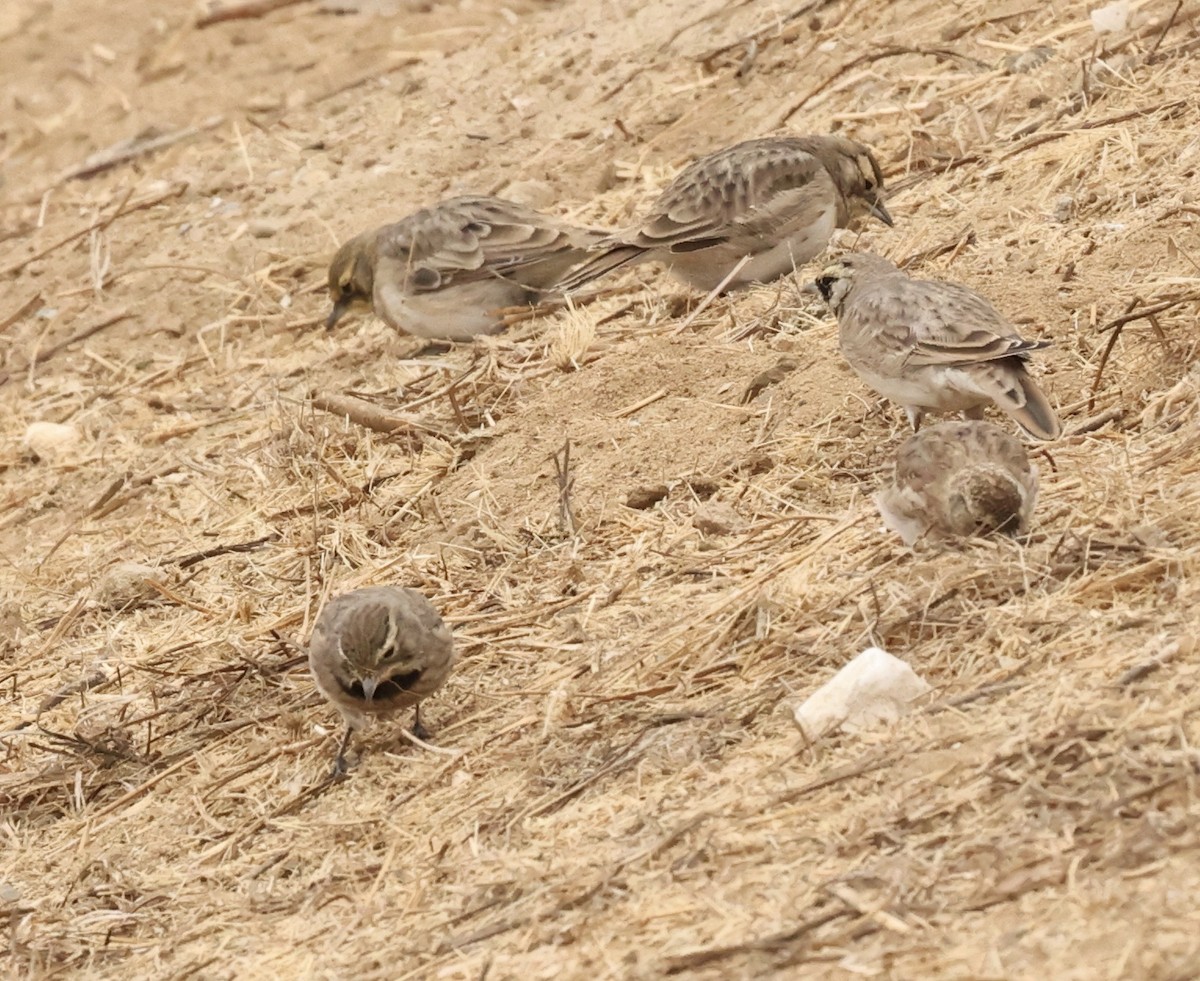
x=651, y=536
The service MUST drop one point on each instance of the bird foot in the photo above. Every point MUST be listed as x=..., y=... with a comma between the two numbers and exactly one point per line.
x=428, y=349
x=340, y=766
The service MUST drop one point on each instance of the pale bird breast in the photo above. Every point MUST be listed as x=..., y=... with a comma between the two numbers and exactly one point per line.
x=456, y=312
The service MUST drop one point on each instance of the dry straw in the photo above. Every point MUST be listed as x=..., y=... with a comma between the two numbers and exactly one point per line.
x=649, y=540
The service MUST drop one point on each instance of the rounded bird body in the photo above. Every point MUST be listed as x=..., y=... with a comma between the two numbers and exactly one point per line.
x=932, y=346
x=449, y=271
x=958, y=479
x=376, y=651
x=755, y=210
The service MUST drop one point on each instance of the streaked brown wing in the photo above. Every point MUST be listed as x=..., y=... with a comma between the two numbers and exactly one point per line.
x=466, y=239
x=923, y=461
x=950, y=324
x=353, y=620
x=752, y=188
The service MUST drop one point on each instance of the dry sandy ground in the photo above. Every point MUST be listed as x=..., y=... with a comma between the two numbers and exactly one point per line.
x=617, y=788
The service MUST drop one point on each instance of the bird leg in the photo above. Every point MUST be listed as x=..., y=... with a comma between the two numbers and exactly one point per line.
x=340, y=766
x=428, y=349
x=419, y=730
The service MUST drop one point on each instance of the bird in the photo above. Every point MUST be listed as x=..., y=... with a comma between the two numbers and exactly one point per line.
x=959, y=479
x=375, y=651
x=769, y=205
x=449, y=271
x=932, y=346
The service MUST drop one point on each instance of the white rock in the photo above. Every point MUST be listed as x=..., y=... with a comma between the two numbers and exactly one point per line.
x=1112, y=18
x=51, y=440
x=874, y=687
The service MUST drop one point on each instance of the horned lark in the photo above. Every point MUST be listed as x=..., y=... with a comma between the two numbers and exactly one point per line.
x=958, y=479
x=932, y=346
x=375, y=651
x=769, y=204
x=445, y=272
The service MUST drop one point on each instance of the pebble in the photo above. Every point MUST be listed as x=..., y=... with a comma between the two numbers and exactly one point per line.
x=264, y=227
x=51, y=440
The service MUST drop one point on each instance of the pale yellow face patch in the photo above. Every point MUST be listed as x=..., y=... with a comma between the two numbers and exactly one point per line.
x=866, y=171
x=836, y=270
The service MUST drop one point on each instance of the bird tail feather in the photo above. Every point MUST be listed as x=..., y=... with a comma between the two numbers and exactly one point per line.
x=1018, y=396
x=600, y=265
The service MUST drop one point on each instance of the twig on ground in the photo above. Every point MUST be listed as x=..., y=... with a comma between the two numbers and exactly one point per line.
x=137, y=146
x=25, y=308
x=1098, y=421
x=712, y=295
x=100, y=224
x=956, y=245
x=1166, y=27
x=244, y=11
x=186, y=561
x=41, y=357
x=1164, y=657
x=96, y=678
x=1117, y=324
x=891, y=51
x=562, y=472
x=640, y=404
x=369, y=417
x=698, y=958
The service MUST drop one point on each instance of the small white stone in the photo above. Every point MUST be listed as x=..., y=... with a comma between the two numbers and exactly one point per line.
x=51, y=440
x=874, y=687
x=1112, y=18
x=264, y=227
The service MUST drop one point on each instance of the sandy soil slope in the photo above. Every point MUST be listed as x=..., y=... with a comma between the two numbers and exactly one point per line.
x=618, y=790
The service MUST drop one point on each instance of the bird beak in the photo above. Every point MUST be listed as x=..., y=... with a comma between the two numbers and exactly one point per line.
x=811, y=288
x=877, y=209
x=369, y=685
x=340, y=308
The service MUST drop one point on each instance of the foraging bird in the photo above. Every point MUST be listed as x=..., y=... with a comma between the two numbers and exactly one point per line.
x=378, y=650
x=958, y=479
x=932, y=346
x=772, y=202
x=449, y=271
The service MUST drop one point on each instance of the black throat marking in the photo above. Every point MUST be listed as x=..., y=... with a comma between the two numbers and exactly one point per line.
x=385, y=691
